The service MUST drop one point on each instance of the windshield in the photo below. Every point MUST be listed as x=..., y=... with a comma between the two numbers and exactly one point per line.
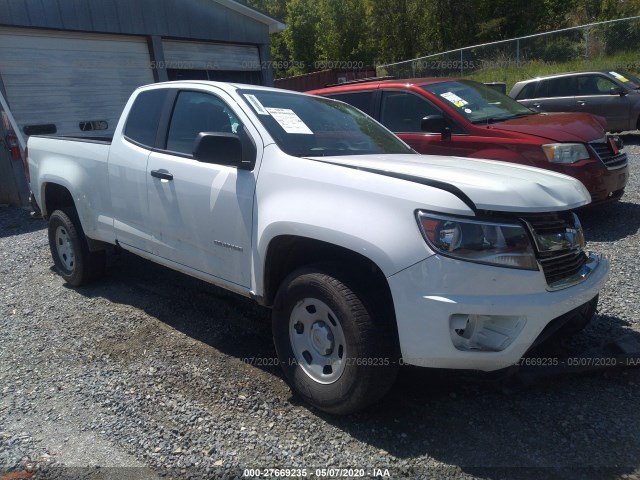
x=307, y=126
x=629, y=80
x=477, y=102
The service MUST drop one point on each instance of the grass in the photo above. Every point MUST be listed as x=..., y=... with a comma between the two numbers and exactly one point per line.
x=629, y=62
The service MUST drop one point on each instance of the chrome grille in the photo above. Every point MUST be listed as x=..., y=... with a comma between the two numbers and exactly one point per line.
x=605, y=153
x=559, y=264
x=549, y=222
x=559, y=267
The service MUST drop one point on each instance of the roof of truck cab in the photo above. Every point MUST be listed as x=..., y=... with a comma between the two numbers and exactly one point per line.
x=227, y=86
x=398, y=83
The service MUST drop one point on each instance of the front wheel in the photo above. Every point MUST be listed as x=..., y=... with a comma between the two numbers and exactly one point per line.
x=336, y=349
x=71, y=256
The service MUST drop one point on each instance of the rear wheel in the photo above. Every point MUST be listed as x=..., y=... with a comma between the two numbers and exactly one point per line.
x=70, y=251
x=336, y=348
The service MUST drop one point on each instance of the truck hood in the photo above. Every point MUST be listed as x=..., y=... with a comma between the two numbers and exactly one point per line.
x=558, y=127
x=489, y=184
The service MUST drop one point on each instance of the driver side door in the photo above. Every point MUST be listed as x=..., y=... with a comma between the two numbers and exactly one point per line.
x=402, y=113
x=200, y=213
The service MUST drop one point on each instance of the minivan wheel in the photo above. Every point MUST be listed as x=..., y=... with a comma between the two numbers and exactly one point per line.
x=71, y=256
x=335, y=349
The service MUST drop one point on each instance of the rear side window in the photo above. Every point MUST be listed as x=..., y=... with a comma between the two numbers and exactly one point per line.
x=528, y=91
x=361, y=100
x=144, y=117
x=557, y=87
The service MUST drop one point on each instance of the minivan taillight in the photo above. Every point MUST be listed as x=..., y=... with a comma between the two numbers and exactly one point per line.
x=14, y=146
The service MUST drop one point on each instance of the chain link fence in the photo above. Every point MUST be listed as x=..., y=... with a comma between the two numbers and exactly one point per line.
x=577, y=47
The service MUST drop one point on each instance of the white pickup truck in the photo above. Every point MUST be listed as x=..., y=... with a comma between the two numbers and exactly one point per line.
x=369, y=254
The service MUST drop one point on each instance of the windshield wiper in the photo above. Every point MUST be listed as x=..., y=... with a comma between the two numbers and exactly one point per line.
x=489, y=120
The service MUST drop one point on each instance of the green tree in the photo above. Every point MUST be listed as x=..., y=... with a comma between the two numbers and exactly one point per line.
x=279, y=50
x=399, y=29
x=343, y=35
x=301, y=35
x=386, y=31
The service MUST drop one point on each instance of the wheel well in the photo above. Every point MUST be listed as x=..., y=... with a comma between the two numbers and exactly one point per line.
x=56, y=197
x=288, y=253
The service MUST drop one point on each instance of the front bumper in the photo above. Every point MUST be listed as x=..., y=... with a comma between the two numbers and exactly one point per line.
x=603, y=184
x=512, y=307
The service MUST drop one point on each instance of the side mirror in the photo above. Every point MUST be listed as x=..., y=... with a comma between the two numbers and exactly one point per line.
x=618, y=91
x=220, y=148
x=435, y=124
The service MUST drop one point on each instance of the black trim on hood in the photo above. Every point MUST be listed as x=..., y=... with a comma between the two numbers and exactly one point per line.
x=447, y=187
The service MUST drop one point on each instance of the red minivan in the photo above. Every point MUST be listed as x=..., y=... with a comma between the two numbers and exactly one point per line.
x=450, y=116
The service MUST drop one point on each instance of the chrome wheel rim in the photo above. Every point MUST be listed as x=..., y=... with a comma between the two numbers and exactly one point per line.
x=317, y=340
x=64, y=248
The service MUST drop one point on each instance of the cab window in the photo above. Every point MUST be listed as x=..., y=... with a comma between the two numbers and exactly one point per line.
x=196, y=112
x=144, y=117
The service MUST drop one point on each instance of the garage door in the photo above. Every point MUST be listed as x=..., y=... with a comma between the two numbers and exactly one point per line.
x=71, y=79
x=212, y=61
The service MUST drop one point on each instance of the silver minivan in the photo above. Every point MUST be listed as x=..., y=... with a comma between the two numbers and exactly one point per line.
x=614, y=95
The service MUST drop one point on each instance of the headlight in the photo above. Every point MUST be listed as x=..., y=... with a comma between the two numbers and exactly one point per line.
x=503, y=245
x=565, y=152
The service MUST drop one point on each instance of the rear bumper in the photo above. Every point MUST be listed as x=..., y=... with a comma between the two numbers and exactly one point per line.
x=510, y=310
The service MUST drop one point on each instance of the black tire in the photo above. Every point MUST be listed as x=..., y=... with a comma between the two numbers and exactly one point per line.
x=70, y=251
x=361, y=330
x=580, y=319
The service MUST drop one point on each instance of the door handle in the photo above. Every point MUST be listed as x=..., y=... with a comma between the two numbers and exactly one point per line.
x=582, y=102
x=162, y=174
x=537, y=105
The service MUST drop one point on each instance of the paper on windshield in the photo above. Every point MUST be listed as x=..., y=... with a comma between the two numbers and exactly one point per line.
x=255, y=103
x=622, y=78
x=455, y=99
x=289, y=121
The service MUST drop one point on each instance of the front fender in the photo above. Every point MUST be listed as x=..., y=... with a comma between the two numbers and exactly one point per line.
x=369, y=214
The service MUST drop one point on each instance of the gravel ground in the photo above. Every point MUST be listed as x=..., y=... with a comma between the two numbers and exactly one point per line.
x=142, y=375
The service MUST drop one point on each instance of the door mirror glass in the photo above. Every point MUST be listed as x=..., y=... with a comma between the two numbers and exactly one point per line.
x=219, y=148
x=434, y=124
x=618, y=91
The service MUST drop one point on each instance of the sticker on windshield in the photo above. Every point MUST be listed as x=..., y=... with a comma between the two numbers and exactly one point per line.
x=622, y=78
x=455, y=99
x=289, y=121
x=255, y=103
